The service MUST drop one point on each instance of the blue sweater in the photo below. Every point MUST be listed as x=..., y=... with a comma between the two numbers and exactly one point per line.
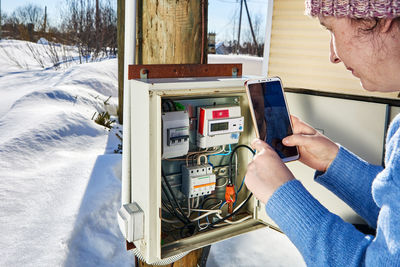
x=322, y=237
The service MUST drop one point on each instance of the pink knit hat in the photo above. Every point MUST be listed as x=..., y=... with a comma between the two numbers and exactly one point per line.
x=353, y=8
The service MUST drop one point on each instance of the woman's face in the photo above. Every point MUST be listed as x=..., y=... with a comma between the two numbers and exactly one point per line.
x=362, y=53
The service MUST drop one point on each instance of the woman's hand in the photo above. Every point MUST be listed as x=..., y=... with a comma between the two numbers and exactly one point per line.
x=266, y=172
x=316, y=150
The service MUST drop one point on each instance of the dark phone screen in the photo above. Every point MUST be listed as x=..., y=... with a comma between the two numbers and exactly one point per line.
x=272, y=117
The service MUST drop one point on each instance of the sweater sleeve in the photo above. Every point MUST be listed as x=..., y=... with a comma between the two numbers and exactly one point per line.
x=350, y=178
x=323, y=238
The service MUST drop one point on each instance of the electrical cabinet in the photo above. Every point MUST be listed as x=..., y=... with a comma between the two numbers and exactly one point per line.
x=162, y=110
x=150, y=165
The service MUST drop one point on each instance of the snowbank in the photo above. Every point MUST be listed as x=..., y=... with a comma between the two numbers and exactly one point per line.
x=60, y=178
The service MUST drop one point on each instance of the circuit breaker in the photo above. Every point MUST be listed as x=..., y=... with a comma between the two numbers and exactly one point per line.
x=198, y=180
x=175, y=128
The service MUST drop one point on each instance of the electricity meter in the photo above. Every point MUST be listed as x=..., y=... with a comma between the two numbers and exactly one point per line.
x=219, y=125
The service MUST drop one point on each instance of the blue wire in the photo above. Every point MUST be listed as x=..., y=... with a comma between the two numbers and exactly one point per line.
x=221, y=154
x=240, y=188
x=237, y=192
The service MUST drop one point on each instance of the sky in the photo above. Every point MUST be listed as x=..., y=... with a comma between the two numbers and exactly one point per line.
x=223, y=15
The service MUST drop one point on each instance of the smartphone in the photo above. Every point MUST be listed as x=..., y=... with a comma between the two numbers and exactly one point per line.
x=270, y=115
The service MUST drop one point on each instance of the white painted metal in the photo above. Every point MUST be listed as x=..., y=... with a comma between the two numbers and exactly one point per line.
x=129, y=58
x=267, y=40
x=146, y=150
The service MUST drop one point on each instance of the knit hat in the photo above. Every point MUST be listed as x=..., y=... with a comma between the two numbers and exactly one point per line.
x=353, y=8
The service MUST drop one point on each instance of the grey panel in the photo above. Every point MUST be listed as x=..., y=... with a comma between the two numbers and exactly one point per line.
x=357, y=125
x=393, y=112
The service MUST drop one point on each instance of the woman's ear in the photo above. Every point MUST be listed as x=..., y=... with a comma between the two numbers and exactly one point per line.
x=386, y=25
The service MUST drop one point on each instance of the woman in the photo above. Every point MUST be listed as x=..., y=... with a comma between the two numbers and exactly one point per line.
x=365, y=36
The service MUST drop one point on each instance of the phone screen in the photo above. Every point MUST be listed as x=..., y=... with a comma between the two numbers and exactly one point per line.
x=272, y=116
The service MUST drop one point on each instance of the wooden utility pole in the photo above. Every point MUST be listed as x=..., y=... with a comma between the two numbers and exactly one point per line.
x=172, y=32
x=168, y=32
x=251, y=26
x=45, y=19
x=98, y=30
x=0, y=22
x=120, y=44
x=240, y=25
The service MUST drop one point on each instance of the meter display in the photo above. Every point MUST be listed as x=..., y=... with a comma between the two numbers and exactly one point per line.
x=219, y=126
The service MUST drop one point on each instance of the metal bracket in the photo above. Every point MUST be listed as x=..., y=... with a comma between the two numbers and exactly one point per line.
x=143, y=74
x=234, y=72
x=159, y=71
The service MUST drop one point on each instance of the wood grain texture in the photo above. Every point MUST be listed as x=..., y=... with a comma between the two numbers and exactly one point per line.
x=171, y=31
x=190, y=260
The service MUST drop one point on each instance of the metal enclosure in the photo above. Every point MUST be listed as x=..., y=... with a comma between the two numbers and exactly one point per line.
x=146, y=151
x=145, y=165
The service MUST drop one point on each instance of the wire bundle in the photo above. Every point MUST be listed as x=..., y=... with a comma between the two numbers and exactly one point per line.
x=189, y=226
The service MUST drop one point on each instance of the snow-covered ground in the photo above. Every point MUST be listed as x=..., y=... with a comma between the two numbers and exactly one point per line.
x=60, y=178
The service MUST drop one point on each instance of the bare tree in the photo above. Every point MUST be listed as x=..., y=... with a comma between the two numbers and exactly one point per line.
x=29, y=14
x=91, y=25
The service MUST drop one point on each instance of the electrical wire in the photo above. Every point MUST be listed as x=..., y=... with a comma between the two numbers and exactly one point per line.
x=224, y=184
x=236, y=210
x=173, y=211
x=173, y=197
x=233, y=213
x=231, y=159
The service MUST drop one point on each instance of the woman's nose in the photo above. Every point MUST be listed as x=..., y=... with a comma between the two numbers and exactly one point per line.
x=333, y=57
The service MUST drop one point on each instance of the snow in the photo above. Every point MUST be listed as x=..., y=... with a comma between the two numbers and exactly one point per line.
x=251, y=65
x=60, y=178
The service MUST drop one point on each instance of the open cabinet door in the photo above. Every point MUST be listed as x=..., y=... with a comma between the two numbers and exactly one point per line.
x=357, y=125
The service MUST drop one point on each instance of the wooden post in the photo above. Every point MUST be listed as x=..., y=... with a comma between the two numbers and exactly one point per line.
x=168, y=32
x=172, y=32
x=190, y=260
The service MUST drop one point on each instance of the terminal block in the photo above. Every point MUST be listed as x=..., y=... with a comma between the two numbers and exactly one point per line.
x=198, y=180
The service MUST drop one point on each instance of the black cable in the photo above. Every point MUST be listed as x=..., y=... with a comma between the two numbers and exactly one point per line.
x=174, y=212
x=171, y=211
x=233, y=213
x=230, y=180
x=207, y=199
x=174, y=197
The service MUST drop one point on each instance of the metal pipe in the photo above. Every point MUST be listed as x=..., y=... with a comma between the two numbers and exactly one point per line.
x=129, y=59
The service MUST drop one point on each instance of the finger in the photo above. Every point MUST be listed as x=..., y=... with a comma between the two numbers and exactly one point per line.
x=300, y=127
x=259, y=145
x=294, y=118
x=298, y=140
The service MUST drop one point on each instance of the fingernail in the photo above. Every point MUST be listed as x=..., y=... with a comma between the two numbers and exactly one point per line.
x=285, y=142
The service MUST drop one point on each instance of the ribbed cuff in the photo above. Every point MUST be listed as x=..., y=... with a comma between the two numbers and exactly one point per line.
x=343, y=157
x=295, y=210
